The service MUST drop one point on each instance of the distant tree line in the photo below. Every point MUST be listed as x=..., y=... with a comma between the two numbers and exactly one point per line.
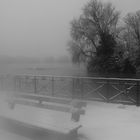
x=107, y=43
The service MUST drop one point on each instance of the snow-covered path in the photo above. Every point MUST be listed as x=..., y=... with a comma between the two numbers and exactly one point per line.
x=111, y=122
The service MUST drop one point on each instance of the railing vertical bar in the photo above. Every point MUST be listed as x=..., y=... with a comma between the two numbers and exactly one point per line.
x=15, y=83
x=52, y=86
x=107, y=90
x=73, y=88
x=35, y=84
x=137, y=95
x=21, y=83
x=82, y=88
x=2, y=82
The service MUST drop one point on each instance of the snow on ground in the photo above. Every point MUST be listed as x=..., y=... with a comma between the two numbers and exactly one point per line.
x=111, y=122
x=10, y=136
x=106, y=121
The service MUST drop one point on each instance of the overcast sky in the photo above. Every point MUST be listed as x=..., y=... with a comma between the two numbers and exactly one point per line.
x=42, y=27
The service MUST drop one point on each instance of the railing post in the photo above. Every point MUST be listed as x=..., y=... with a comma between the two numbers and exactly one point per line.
x=15, y=83
x=2, y=82
x=72, y=95
x=52, y=86
x=107, y=91
x=137, y=95
x=20, y=86
x=82, y=88
x=35, y=85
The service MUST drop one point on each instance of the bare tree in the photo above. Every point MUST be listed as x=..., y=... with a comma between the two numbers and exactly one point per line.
x=132, y=21
x=94, y=33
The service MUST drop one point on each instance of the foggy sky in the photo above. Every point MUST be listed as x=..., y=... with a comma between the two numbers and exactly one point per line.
x=42, y=27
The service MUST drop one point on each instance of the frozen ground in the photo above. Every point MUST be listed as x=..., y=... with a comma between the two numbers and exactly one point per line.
x=102, y=121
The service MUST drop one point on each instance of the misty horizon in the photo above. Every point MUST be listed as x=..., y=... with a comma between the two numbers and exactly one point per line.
x=42, y=28
x=34, y=59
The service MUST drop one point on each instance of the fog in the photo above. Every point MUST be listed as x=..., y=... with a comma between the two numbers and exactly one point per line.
x=36, y=28
x=42, y=27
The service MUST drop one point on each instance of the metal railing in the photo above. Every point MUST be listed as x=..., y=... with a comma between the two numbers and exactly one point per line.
x=118, y=90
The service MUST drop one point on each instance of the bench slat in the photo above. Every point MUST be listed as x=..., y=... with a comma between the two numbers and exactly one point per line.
x=59, y=100
x=43, y=98
x=50, y=106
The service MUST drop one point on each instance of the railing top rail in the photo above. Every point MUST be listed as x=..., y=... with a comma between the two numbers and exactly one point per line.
x=80, y=77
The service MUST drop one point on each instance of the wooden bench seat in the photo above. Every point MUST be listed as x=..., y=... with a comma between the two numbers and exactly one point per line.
x=43, y=98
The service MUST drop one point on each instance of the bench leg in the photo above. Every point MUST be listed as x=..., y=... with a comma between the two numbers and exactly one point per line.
x=40, y=101
x=11, y=105
x=74, y=133
x=75, y=116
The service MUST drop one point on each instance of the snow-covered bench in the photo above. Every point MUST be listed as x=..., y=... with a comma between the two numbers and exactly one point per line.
x=28, y=127
x=74, y=107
